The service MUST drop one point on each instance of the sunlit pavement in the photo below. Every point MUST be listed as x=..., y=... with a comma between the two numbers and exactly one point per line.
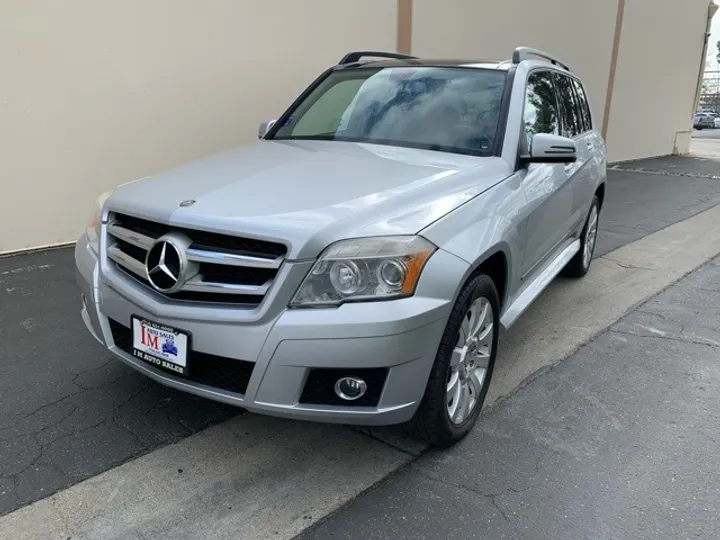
x=706, y=143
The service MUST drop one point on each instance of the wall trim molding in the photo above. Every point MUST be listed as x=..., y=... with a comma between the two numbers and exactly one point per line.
x=28, y=250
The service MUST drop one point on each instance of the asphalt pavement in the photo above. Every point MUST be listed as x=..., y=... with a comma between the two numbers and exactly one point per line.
x=618, y=441
x=69, y=412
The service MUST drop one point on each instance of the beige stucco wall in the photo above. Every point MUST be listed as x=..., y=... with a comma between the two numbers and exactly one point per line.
x=485, y=29
x=94, y=93
x=656, y=79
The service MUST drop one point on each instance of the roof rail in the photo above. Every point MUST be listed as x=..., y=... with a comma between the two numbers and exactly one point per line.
x=352, y=57
x=522, y=53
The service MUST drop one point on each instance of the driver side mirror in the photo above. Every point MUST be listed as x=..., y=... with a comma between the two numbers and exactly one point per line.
x=545, y=148
x=265, y=127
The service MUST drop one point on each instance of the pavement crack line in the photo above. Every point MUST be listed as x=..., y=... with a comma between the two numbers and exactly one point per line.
x=80, y=390
x=627, y=265
x=72, y=433
x=369, y=433
x=492, y=497
x=495, y=504
x=669, y=338
x=658, y=315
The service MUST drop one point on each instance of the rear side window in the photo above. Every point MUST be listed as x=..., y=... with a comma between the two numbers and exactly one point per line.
x=572, y=124
x=541, y=113
x=584, y=105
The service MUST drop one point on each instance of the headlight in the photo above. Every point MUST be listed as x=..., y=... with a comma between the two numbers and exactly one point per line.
x=379, y=268
x=93, y=228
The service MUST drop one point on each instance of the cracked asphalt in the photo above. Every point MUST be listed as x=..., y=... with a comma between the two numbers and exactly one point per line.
x=618, y=441
x=68, y=412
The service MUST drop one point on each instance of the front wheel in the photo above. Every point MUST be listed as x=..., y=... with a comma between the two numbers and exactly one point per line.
x=460, y=376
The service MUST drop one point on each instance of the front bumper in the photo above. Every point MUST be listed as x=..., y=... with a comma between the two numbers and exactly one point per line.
x=284, y=347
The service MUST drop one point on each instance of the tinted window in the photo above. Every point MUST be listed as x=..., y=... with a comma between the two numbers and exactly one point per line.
x=569, y=110
x=446, y=109
x=326, y=113
x=540, y=114
x=584, y=105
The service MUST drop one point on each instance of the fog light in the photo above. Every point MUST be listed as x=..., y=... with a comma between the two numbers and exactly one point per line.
x=350, y=388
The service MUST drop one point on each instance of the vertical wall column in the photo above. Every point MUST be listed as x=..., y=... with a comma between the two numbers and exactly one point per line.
x=613, y=66
x=404, y=26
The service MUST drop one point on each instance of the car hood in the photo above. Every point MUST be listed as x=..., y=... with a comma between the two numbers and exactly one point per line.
x=309, y=194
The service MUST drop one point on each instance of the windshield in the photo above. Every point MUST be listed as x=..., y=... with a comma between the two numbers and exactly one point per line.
x=446, y=109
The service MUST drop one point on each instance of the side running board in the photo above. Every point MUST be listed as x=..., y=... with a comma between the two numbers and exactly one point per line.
x=533, y=289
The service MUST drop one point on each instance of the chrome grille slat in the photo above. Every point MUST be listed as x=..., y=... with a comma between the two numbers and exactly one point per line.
x=234, y=272
x=126, y=261
x=232, y=259
x=131, y=237
x=197, y=284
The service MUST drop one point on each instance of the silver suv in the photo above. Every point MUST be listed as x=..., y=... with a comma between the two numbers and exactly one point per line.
x=356, y=263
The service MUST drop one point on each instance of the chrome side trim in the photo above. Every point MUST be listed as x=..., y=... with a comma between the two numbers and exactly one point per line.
x=131, y=237
x=231, y=259
x=126, y=261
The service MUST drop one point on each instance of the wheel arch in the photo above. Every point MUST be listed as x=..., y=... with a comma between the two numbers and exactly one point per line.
x=600, y=193
x=494, y=263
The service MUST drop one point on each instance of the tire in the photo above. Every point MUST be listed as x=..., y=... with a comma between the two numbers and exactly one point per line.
x=580, y=263
x=432, y=421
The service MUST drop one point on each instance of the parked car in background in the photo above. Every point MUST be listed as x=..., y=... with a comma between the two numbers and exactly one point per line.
x=717, y=121
x=704, y=120
x=355, y=265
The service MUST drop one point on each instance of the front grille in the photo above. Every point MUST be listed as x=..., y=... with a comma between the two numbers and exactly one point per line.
x=203, y=239
x=227, y=269
x=319, y=387
x=207, y=369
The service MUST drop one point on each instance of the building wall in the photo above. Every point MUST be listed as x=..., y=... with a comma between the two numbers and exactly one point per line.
x=656, y=79
x=94, y=93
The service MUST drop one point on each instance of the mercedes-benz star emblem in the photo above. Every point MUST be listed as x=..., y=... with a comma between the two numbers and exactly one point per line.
x=164, y=265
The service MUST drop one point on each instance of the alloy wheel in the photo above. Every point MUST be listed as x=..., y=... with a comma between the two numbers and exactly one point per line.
x=470, y=361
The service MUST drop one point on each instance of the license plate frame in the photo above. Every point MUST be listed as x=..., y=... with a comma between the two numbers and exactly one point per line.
x=157, y=349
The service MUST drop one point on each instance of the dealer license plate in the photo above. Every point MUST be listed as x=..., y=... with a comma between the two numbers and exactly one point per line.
x=160, y=345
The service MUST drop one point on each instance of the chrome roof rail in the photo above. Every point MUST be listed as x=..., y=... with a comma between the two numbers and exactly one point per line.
x=523, y=53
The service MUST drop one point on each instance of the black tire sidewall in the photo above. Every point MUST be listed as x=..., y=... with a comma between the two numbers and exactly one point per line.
x=595, y=204
x=441, y=431
x=576, y=267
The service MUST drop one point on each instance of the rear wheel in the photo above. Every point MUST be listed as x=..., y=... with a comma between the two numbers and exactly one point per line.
x=461, y=374
x=580, y=263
